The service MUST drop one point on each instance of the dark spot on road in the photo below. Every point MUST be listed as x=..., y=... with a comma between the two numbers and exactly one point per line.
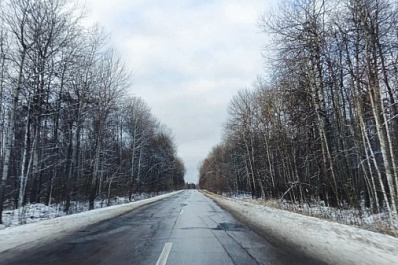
x=193, y=228
x=220, y=226
x=228, y=227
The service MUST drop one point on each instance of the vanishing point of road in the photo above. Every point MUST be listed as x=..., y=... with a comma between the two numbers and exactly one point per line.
x=187, y=228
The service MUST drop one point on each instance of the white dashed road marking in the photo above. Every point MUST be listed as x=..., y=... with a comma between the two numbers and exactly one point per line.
x=165, y=254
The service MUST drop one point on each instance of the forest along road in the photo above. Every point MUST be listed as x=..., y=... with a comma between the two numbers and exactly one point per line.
x=187, y=228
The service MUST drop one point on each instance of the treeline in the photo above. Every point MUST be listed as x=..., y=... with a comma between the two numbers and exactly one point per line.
x=68, y=130
x=323, y=125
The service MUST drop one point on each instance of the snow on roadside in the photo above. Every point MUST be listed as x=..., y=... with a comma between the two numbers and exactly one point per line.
x=31, y=213
x=330, y=242
x=38, y=212
x=362, y=218
x=32, y=234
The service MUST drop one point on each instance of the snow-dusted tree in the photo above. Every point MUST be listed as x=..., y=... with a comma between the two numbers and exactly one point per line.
x=113, y=79
x=65, y=135
x=324, y=124
x=18, y=21
x=139, y=124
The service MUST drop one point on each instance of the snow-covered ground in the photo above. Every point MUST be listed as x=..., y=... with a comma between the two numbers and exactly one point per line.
x=38, y=212
x=328, y=241
x=33, y=234
x=362, y=218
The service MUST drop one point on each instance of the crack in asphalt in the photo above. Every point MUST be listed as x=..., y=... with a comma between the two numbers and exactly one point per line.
x=237, y=242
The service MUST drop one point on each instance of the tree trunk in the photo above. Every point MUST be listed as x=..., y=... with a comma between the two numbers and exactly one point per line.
x=10, y=134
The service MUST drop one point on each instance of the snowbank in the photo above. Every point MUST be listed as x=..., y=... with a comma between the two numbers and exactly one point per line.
x=39, y=212
x=330, y=242
x=32, y=234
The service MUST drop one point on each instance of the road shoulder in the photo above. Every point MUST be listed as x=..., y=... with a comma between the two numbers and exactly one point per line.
x=320, y=239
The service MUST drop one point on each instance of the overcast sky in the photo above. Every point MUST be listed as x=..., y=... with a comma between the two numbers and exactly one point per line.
x=189, y=57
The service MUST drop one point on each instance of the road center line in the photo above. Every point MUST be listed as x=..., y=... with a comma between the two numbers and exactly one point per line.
x=165, y=254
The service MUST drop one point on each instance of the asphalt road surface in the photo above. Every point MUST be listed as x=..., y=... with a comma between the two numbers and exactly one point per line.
x=187, y=228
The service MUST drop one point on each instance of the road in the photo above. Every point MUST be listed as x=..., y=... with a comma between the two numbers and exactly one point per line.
x=187, y=228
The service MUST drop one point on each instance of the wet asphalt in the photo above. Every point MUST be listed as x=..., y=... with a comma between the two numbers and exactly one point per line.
x=192, y=227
